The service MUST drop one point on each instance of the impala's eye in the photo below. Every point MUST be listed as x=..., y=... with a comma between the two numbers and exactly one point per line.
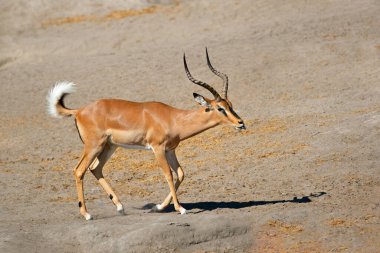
x=222, y=111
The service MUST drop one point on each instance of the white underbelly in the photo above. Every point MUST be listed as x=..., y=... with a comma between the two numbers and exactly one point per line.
x=134, y=146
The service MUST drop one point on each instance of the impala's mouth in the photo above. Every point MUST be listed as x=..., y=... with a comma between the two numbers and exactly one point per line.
x=241, y=127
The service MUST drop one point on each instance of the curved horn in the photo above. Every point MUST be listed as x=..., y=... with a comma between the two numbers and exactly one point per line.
x=221, y=75
x=200, y=83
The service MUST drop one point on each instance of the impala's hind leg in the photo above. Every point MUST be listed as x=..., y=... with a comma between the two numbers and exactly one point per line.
x=89, y=154
x=97, y=170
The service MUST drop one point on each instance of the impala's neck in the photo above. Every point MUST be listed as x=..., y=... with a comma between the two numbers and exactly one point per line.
x=192, y=122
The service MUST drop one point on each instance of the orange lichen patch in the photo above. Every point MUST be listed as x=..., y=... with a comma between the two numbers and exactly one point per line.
x=116, y=14
x=119, y=14
x=284, y=227
x=341, y=223
x=69, y=20
x=334, y=157
x=298, y=147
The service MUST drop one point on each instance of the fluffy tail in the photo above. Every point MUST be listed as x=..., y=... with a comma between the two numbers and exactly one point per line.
x=56, y=107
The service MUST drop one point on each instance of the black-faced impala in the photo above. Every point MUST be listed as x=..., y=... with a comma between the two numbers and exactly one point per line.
x=107, y=124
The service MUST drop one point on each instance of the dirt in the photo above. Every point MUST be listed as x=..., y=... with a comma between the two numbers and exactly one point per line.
x=304, y=75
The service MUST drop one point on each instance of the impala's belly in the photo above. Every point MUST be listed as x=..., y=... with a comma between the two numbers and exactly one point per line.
x=129, y=139
x=148, y=147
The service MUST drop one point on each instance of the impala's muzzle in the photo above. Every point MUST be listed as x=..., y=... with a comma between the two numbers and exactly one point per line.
x=241, y=126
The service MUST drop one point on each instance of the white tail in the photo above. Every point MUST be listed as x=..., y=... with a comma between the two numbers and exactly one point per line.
x=59, y=90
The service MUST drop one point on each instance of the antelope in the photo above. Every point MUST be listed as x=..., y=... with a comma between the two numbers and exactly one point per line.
x=107, y=124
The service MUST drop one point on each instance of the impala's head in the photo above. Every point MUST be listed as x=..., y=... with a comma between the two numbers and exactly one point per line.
x=220, y=106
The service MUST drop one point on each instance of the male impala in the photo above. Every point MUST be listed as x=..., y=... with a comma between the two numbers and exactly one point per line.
x=107, y=124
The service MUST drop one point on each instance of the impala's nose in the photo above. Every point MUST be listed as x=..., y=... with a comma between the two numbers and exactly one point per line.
x=241, y=126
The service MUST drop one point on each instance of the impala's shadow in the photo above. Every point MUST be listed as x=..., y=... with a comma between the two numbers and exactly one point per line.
x=212, y=205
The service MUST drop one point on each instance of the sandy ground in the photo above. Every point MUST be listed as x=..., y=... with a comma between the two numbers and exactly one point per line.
x=304, y=75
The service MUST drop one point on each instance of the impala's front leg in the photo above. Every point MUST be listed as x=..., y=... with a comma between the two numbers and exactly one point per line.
x=176, y=167
x=163, y=162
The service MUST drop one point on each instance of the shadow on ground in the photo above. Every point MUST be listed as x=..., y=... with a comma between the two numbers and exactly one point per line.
x=212, y=205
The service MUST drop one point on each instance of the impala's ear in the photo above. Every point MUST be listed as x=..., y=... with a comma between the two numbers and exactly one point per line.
x=201, y=100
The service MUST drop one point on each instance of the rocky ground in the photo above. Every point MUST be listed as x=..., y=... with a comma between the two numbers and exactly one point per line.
x=304, y=75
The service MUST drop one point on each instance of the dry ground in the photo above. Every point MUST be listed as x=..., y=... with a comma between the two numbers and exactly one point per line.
x=304, y=75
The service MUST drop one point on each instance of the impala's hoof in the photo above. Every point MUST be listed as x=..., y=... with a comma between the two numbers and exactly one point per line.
x=182, y=211
x=88, y=216
x=120, y=209
x=156, y=209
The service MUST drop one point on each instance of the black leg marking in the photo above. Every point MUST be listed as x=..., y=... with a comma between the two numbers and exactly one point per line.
x=111, y=197
x=80, y=204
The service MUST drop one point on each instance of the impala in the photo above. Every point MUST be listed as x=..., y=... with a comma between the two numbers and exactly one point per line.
x=107, y=124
